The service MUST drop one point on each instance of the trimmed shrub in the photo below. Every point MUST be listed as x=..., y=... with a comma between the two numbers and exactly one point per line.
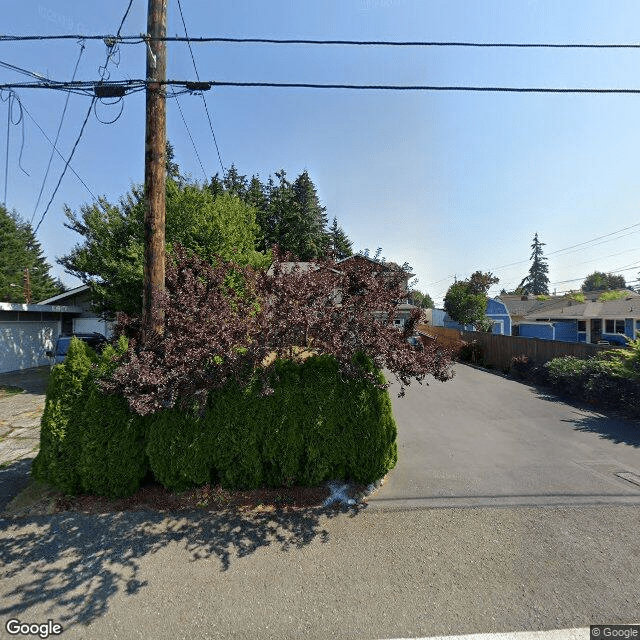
x=112, y=461
x=62, y=424
x=313, y=427
x=178, y=449
x=89, y=441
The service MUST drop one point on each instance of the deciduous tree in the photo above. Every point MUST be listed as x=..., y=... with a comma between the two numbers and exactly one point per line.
x=601, y=281
x=466, y=301
x=215, y=333
x=110, y=258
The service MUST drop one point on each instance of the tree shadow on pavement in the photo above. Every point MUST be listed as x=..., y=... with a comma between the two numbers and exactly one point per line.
x=14, y=477
x=617, y=428
x=70, y=565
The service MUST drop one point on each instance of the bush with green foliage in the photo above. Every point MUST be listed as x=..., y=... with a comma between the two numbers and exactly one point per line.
x=312, y=428
x=612, y=378
x=89, y=441
x=612, y=295
x=315, y=426
x=61, y=425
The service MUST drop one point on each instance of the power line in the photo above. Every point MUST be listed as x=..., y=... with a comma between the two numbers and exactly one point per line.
x=24, y=72
x=129, y=86
x=204, y=100
x=137, y=39
x=58, y=152
x=53, y=195
x=191, y=138
x=606, y=235
x=103, y=71
x=53, y=149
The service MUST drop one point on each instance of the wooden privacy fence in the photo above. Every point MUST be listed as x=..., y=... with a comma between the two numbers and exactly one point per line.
x=449, y=338
x=499, y=350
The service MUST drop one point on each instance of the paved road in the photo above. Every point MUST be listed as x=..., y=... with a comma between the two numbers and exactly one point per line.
x=386, y=571
x=482, y=439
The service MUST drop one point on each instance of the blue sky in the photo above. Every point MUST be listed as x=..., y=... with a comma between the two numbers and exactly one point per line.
x=450, y=182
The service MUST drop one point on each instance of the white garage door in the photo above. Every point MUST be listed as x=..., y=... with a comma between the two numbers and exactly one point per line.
x=23, y=344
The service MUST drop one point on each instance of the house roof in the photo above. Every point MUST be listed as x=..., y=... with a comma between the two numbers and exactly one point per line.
x=531, y=306
x=67, y=294
x=309, y=266
x=390, y=265
x=613, y=309
x=523, y=305
x=39, y=308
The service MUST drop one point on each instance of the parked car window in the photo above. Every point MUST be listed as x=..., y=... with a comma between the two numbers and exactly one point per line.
x=95, y=340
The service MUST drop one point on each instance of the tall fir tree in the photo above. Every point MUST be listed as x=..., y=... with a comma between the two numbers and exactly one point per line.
x=313, y=239
x=339, y=243
x=537, y=282
x=20, y=251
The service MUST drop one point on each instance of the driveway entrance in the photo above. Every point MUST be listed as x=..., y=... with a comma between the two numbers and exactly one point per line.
x=481, y=439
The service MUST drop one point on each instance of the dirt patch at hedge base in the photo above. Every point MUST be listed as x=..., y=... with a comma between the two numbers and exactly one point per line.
x=41, y=499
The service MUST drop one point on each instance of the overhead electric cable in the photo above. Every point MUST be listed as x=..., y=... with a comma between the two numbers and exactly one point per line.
x=53, y=195
x=137, y=39
x=88, y=86
x=103, y=72
x=53, y=149
x=191, y=138
x=204, y=100
x=606, y=235
x=24, y=72
x=84, y=184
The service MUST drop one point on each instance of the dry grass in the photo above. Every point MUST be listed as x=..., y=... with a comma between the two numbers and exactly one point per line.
x=7, y=391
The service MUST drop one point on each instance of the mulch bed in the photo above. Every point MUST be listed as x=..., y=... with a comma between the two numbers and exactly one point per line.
x=208, y=498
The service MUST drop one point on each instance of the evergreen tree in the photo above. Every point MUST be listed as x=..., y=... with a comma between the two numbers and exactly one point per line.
x=256, y=197
x=339, y=242
x=234, y=183
x=537, y=282
x=420, y=299
x=312, y=237
x=19, y=251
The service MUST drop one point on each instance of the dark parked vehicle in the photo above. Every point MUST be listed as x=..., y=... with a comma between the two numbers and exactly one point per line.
x=95, y=340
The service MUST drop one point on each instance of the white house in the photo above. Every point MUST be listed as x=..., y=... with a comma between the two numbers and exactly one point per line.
x=27, y=331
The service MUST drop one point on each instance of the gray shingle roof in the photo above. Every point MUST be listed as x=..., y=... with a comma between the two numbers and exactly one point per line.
x=613, y=309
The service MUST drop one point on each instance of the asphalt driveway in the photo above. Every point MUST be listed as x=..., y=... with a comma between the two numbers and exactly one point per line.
x=373, y=572
x=482, y=439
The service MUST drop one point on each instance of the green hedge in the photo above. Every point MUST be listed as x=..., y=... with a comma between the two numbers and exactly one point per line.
x=89, y=441
x=313, y=427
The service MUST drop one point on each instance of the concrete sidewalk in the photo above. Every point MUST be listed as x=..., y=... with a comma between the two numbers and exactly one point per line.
x=20, y=428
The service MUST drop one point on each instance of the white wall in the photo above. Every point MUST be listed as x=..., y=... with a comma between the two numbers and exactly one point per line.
x=91, y=325
x=23, y=344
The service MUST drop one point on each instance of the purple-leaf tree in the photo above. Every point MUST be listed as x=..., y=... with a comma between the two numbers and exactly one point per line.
x=224, y=322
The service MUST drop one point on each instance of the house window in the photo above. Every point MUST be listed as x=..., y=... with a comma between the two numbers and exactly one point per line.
x=582, y=326
x=614, y=326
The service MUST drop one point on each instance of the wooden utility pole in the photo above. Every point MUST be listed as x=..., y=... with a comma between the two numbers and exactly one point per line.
x=26, y=285
x=155, y=168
